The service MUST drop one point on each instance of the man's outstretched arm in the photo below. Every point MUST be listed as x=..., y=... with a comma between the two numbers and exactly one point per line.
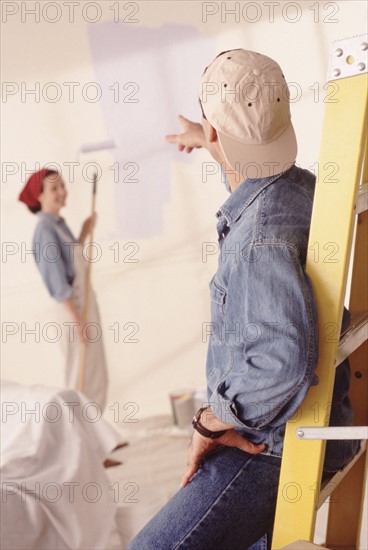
x=192, y=138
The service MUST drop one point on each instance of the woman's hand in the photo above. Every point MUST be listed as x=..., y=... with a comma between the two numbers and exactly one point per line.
x=87, y=227
x=192, y=138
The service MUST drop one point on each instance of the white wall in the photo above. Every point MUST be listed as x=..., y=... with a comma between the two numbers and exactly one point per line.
x=166, y=292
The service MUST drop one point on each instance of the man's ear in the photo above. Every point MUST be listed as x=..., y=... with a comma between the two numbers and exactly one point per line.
x=213, y=135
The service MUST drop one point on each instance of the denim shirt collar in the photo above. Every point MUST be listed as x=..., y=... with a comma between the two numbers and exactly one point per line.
x=243, y=196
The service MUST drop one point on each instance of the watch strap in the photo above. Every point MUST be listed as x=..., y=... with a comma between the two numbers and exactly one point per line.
x=202, y=430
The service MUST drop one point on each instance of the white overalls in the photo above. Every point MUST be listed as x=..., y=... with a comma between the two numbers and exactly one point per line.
x=95, y=374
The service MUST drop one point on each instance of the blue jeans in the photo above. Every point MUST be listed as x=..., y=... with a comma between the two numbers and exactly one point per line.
x=229, y=504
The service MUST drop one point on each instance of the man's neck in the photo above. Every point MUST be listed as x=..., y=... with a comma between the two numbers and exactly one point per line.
x=234, y=178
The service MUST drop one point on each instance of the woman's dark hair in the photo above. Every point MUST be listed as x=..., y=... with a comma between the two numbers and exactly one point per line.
x=35, y=209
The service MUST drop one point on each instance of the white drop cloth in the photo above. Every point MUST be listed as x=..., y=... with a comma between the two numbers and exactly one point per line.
x=55, y=491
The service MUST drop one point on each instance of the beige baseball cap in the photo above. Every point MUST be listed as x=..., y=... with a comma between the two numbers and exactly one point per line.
x=245, y=97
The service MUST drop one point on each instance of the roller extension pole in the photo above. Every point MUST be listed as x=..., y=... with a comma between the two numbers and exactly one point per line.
x=83, y=350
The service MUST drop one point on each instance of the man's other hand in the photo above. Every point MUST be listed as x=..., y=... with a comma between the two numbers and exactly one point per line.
x=201, y=446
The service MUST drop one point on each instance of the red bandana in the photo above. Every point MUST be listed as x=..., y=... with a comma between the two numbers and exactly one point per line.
x=33, y=188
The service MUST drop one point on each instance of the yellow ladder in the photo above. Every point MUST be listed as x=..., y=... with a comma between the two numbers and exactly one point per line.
x=340, y=200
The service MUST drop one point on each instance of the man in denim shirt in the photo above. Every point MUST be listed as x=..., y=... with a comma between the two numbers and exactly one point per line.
x=263, y=336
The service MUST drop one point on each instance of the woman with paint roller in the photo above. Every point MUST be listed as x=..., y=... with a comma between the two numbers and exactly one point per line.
x=65, y=272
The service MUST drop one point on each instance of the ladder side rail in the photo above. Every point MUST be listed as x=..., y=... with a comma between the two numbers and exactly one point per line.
x=347, y=500
x=334, y=201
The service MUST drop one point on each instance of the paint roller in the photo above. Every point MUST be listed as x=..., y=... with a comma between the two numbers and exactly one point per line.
x=93, y=147
x=90, y=148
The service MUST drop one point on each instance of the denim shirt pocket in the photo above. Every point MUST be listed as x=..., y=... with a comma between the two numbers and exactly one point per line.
x=218, y=301
x=218, y=294
x=218, y=351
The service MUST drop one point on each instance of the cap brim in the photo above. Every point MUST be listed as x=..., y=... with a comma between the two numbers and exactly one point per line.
x=261, y=161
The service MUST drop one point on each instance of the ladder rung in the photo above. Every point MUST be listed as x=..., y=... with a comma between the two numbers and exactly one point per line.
x=342, y=433
x=355, y=336
x=331, y=485
x=362, y=199
x=303, y=545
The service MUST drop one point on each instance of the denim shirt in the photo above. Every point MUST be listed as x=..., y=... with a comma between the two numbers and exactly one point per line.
x=54, y=255
x=263, y=336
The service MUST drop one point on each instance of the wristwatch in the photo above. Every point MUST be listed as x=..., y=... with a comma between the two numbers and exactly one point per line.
x=201, y=429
